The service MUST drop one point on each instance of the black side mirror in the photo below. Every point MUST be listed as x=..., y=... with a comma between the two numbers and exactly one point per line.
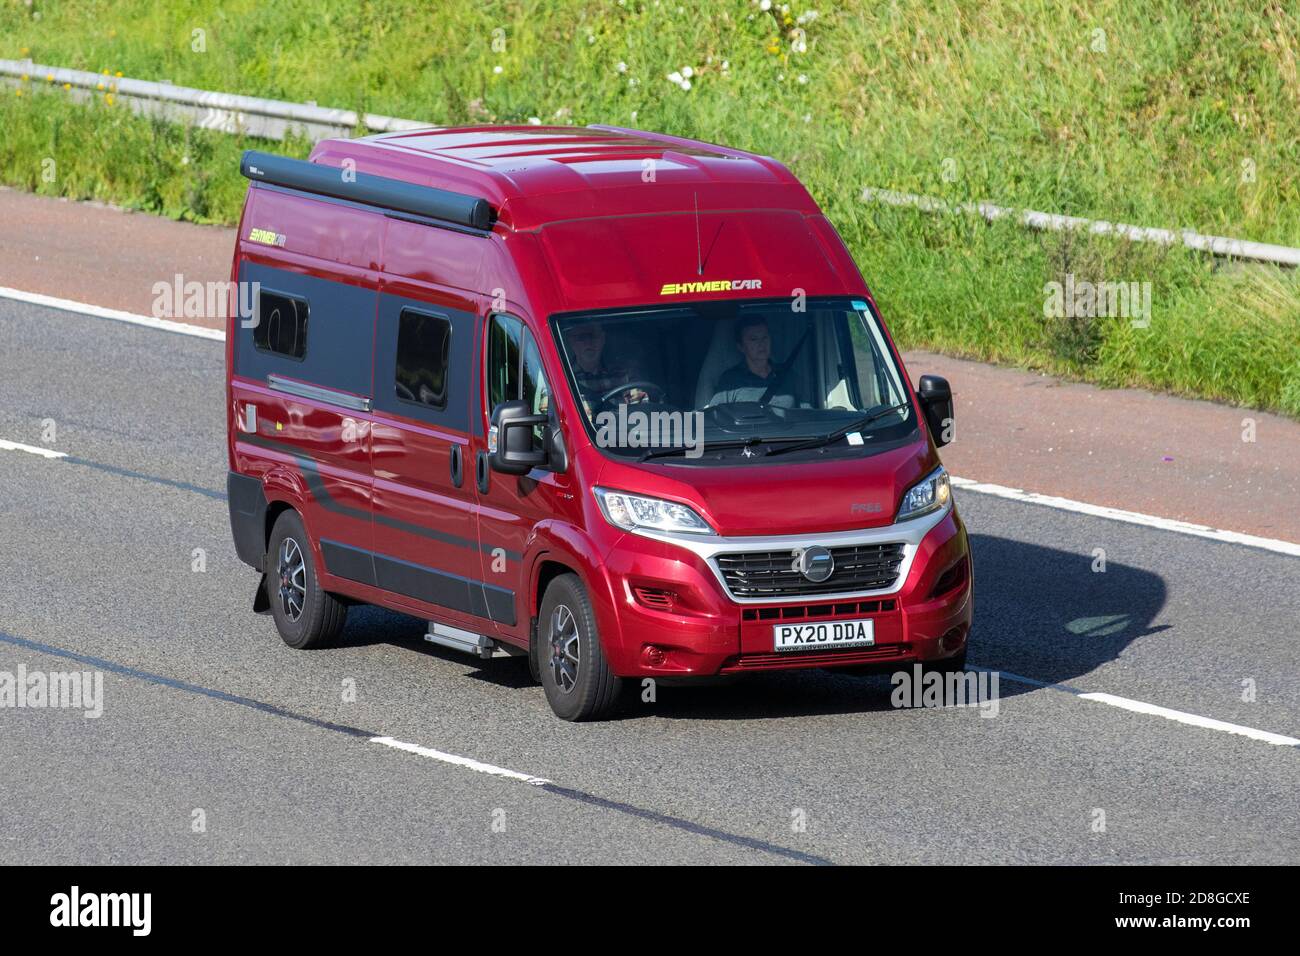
x=936, y=403
x=513, y=424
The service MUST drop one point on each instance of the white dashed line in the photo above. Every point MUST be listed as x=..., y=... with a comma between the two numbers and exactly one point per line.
x=1195, y=720
x=1154, y=710
x=30, y=449
x=459, y=761
x=1132, y=517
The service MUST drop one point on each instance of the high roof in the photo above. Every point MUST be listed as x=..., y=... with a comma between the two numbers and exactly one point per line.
x=537, y=174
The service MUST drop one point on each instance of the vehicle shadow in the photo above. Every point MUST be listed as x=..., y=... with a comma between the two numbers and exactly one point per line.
x=1040, y=613
x=368, y=625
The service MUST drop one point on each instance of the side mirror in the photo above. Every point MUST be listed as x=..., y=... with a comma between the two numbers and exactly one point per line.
x=512, y=429
x=936, y=403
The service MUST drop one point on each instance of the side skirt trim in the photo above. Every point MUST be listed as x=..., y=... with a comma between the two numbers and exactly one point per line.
x=467, y=595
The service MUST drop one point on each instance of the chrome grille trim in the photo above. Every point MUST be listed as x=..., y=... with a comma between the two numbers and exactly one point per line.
x=907, y=533
x=770, y=574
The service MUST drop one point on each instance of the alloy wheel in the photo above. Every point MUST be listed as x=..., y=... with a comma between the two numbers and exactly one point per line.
x=566, y=653
x=293, y=579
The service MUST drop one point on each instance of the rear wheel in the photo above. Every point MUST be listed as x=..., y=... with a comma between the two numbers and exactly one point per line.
x=305, y=616
x=575, y=675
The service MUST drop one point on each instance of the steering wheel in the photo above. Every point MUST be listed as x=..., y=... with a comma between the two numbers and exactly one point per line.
x=647, y=387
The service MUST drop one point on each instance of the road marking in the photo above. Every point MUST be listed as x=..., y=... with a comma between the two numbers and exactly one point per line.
x=459, y=761
x=969, y=484
x=1142, y=707
x=1132, y=517
x=99, y=312
x=1195, y=720
x=111, y=469
x=30, y=449
x=567, y=793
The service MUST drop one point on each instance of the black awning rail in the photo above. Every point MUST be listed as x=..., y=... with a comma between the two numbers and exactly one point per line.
x=389, y=195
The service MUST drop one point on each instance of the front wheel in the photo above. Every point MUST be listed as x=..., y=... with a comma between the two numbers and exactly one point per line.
x=575, y=675
x=306, y=616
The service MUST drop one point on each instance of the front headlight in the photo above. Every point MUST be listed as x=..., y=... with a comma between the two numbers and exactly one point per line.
x=631, y=512
x=931, y=493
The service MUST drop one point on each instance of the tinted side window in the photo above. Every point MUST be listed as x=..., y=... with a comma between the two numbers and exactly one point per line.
x=515, y=369
x=503, y=361
x=281, y=324
x=423, y=350
x=535, y=392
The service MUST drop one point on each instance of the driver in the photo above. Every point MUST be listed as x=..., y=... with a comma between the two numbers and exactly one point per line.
x=754, y=375
x=595, y=375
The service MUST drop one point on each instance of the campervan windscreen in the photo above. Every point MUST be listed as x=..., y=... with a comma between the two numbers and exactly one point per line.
x=744, y=377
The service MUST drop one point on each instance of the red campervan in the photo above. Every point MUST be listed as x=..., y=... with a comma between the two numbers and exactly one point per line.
x=614, y=400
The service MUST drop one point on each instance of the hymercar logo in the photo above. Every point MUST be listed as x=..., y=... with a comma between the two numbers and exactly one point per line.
x=267, y=237
x=717, y=285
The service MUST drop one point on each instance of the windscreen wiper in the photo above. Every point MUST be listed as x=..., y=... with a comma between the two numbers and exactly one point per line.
x=823, y=440
x=728, y=443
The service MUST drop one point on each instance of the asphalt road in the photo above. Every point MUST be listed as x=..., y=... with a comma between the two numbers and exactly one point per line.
x=206, y=709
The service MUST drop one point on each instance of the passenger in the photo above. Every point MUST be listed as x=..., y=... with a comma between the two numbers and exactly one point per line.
x=752, y=378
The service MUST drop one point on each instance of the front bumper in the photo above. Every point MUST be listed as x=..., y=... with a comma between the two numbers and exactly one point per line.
x=673, y=617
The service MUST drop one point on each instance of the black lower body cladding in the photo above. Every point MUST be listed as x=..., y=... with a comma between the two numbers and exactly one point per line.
x=247, y=503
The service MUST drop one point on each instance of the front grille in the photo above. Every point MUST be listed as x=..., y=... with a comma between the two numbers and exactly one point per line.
x=771, y=574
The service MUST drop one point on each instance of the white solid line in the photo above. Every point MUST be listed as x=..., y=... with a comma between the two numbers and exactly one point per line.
x=31, y=449
x=1001, y=491
x=1132, y=517
x=1195, y=720
x=458, y=761
x=148, y=321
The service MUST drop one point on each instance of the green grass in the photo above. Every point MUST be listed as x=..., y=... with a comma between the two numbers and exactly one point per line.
x=1186, y=115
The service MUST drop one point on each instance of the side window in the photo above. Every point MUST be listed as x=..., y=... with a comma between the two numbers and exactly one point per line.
x=423, y=351
x=281, y=324
x=535, y=392
x=515, y=368
x=503, y=360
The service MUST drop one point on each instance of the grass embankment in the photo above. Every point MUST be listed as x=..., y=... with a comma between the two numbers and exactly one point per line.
x=1153, y=112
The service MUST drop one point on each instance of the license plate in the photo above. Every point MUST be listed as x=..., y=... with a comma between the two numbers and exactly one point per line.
x=823, y=635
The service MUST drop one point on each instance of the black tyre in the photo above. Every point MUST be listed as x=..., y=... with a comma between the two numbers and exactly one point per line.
x=568, y=657
x=305, y=616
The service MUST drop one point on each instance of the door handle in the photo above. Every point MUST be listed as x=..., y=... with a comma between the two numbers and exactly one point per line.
x=481, y=471
x=457, y=466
